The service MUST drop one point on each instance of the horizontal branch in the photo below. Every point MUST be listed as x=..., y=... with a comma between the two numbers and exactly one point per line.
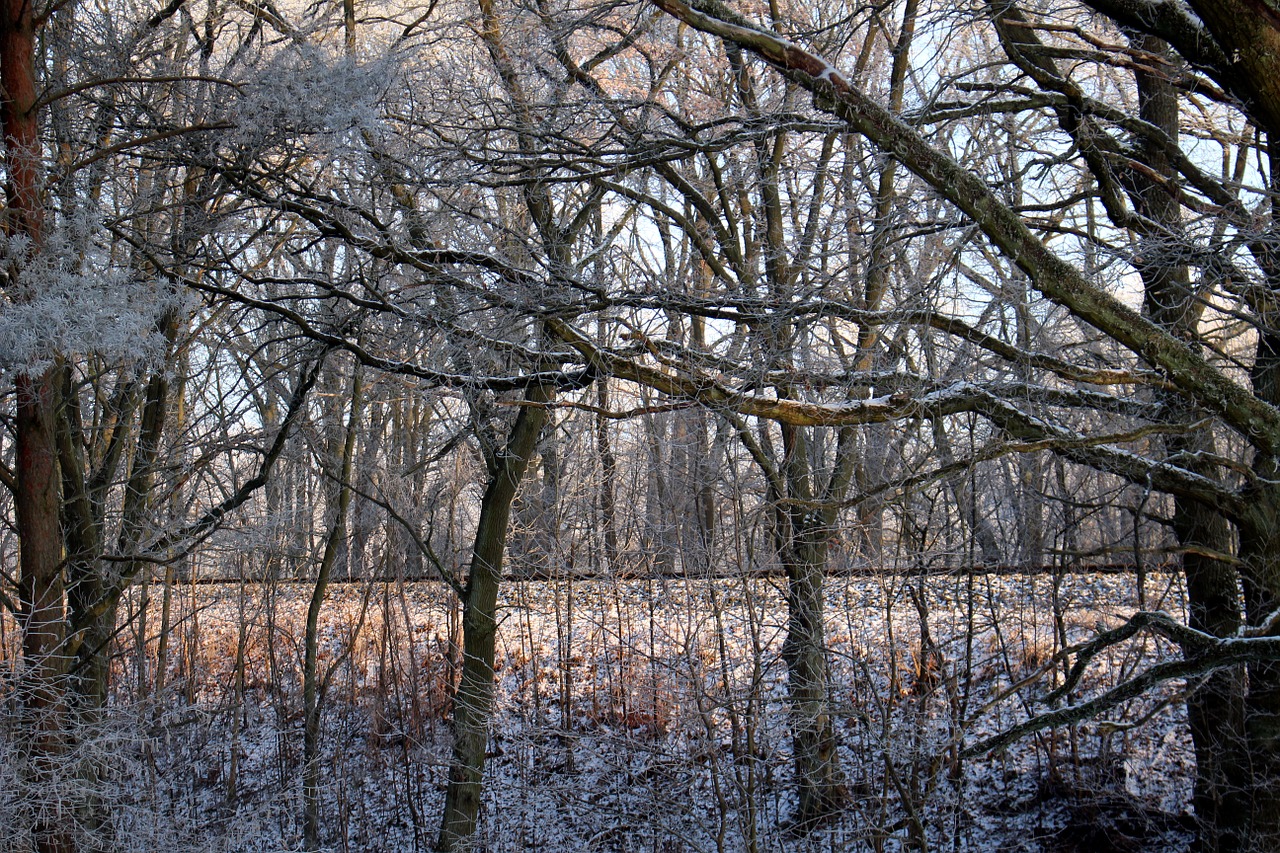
x=936, y=402
x=563, y=379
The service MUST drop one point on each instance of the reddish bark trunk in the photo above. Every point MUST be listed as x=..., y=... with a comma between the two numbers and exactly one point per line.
x=36, y=499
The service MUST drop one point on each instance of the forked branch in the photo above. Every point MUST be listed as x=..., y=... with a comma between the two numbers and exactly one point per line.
x=1201, y=654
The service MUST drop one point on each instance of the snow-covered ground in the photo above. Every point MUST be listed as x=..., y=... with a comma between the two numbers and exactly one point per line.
x=650, y=715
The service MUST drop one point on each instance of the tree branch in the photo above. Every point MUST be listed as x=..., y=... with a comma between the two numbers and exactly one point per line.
x=1052, y=276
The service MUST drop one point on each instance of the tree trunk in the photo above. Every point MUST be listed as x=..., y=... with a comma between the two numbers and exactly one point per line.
x=40, y=583
x=819, y=782
x=313, y=686
x=1258, y=829
x=1250, y=819
x=40, y=589
x=1215, y=710
x=473, y=700
x=803, y=536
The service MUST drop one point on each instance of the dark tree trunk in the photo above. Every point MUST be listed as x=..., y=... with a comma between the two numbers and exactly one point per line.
x=819, y=782
x=313, y=682
x=40, y=588
x=473, y=700
x=803, y=536
x=1215, y=710
x=1255, y=821
x=1252, y=817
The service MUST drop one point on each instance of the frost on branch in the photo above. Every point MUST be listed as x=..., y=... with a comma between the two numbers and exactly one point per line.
x=301, y=94
x=69, y=298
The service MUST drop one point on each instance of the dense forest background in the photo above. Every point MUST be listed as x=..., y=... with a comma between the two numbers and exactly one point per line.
x=640, y=425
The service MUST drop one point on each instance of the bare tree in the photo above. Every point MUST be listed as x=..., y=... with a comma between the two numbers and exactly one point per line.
x=1154, y=340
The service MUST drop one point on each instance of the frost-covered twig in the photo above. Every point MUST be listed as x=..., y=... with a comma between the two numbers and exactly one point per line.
x=1080, y=713
x=194, y=532
x=950, y=399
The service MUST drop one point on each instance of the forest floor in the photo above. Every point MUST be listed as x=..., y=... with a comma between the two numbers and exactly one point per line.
x=647, y=715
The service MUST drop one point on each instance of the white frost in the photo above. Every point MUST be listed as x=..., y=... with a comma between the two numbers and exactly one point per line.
x=70, y=298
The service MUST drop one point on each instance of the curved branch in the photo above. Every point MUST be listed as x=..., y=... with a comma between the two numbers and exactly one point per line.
x=1203, y=653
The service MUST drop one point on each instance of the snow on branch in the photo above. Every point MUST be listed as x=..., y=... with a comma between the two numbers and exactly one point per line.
x=1202, y=653
x=1092, y=451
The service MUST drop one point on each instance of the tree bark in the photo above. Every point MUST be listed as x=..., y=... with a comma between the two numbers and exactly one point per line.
x=313, y=685
x=1258, y=828
x=40, y=589
x=473, y=700
x=1215, y=710
x=40, y=584
x=804, y=546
